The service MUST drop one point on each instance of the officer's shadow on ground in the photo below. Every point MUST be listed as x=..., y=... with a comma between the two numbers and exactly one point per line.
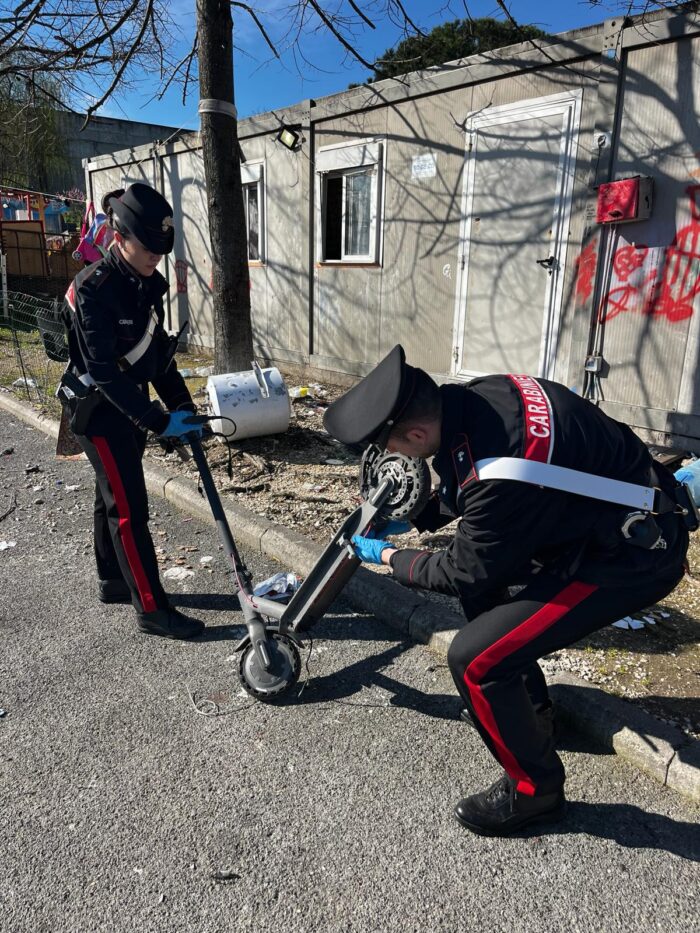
x=346, y=685
x=629, y=826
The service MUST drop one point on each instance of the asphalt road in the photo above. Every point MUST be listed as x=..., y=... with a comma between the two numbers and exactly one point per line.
x=122, y=808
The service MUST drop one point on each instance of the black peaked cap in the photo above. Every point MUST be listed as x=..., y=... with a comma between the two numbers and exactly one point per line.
x=144, y=212
x=375, y=403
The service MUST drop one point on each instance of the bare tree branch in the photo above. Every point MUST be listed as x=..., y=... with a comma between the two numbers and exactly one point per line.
x=362, y=15
x=254, y=16
x=330, y=25
x=122, y=68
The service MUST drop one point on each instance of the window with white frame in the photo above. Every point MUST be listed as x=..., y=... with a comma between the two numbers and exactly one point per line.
x=252, y=182
x=349, y=199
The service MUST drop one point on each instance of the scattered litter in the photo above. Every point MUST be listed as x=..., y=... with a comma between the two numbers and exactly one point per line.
x=650, y=620
x=664, y=615
x=220, y=875
x=278, y=586
x=3, y=713
x=186, y=373
x=73, y=488
x=636, y=624
x=621, y=623
x=37, y=488
x=8, y=450
x=178, y=573
x=300, y=392
x=205, y=560
x=33, y=468
x=24, y=382
x=333, y=462
x=204, y=371
x=5, y=544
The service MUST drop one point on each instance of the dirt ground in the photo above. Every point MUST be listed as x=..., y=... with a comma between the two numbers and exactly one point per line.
x=308, y=481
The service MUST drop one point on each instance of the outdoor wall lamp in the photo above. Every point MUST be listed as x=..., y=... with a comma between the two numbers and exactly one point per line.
x=290, y=139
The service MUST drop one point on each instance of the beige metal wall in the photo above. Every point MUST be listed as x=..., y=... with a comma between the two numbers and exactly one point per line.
x=649, y=301
x=343, y=317
x=182, y=183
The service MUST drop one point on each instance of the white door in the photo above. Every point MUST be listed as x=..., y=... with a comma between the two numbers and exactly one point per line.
x=517, y=196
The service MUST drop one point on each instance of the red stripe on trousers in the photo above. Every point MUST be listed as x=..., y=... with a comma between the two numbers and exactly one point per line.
x=524, y=633
x=125, y=530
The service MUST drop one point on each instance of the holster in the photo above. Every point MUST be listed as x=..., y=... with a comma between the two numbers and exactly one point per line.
x=79, y=400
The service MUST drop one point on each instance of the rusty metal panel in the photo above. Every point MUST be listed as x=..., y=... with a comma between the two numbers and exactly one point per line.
x=650, y=293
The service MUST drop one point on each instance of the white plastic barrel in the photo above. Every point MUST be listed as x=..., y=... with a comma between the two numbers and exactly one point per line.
x=256, y=400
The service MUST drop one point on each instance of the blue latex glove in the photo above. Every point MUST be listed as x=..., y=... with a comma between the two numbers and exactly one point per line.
x=391, y=528
x=370, y=550
x=178, y=425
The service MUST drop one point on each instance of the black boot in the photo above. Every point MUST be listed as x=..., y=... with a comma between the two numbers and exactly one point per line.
x=170, y=623
x=501, y=810
x=545, y=718
x=113, y=591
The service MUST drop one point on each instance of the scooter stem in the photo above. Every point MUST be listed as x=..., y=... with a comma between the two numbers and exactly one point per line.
x=253, y=619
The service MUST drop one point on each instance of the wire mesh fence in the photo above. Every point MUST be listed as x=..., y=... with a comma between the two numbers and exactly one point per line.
x=31, y=348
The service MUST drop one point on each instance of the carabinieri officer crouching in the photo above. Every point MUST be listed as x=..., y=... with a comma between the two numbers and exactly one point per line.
x=584, y=562
x=117, y=345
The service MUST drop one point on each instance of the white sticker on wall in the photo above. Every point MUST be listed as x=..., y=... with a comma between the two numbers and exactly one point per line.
x=423, y=166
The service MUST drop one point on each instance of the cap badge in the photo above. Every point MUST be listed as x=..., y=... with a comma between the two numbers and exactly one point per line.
x=167, y=224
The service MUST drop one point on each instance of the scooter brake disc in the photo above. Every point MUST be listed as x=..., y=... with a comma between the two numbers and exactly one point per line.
x=410, y=477
x=284, y=673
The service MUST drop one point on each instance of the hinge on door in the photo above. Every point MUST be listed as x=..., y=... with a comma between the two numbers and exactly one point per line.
x=462, y=261
x=455, y=355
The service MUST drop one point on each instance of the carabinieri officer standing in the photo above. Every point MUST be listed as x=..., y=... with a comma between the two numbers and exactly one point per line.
x=584, y=561
x=113, y=313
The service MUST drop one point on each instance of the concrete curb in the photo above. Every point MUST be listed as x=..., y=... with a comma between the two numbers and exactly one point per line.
x=660, y=750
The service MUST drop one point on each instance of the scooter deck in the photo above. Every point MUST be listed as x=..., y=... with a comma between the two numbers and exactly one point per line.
x=332, y=570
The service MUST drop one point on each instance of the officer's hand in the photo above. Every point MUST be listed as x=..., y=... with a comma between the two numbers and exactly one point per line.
x=370, y=549
x=391, y=528
x=182, y=423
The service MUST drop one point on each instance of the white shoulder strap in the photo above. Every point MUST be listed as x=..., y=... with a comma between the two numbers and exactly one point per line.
x=136, y=352
x=566, y=480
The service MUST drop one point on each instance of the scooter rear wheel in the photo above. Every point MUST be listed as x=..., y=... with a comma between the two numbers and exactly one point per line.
x=268, y=686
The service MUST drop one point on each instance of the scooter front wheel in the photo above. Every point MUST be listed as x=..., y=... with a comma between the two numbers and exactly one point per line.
x=268, y=686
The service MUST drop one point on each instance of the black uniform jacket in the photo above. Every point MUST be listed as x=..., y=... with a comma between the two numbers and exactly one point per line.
x=505, y=525
x=106, y=312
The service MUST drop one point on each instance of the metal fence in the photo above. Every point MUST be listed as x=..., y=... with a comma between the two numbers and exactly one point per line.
x=31, y=343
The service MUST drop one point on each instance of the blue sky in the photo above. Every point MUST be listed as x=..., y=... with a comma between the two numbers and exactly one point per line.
x=319, y=65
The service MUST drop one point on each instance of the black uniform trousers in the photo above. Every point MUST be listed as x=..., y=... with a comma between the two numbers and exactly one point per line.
x=493, y=661
x=123, y=544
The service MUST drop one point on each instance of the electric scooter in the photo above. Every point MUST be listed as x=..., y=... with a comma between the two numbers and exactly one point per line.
x=393, y=488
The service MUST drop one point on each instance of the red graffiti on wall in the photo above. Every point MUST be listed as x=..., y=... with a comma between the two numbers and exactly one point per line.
x=181, y=275
x=668, y=290
x=629, y=295
x=585, y=273
x=674, y=293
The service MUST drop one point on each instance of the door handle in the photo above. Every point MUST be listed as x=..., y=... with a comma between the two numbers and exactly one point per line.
x=549, y=263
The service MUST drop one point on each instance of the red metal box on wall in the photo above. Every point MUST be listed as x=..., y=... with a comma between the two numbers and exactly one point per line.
x=624, y=200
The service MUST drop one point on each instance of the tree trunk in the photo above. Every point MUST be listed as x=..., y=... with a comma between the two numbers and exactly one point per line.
x=233, y=336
